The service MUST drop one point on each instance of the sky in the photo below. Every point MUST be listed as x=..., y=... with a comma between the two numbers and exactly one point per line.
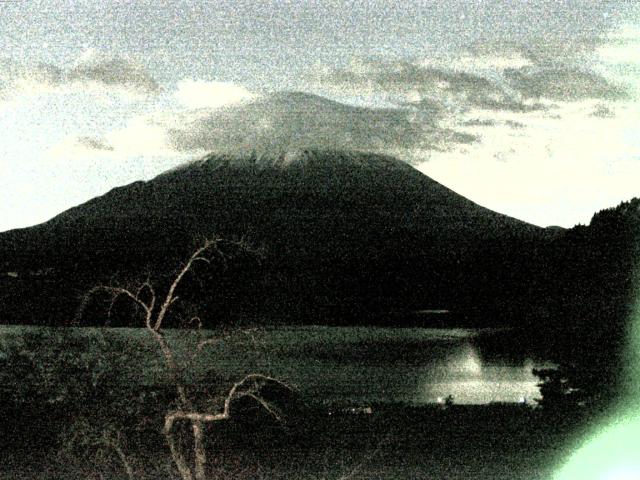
x=529, y=108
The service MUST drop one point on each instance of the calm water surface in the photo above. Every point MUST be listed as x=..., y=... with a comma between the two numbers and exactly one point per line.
x=413, y=365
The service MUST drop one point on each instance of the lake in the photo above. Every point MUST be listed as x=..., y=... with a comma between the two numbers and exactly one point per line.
x=413, y=365
x=343, y=365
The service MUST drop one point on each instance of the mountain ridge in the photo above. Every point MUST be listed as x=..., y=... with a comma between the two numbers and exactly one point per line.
x=292, y=159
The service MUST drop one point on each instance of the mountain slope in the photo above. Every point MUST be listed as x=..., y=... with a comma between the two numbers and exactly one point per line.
x=344, y=235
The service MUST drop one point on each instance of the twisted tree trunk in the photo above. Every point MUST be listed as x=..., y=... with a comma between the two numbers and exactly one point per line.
x=145, y=298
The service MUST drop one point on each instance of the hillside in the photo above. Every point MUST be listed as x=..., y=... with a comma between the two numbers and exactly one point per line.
x=345, y=236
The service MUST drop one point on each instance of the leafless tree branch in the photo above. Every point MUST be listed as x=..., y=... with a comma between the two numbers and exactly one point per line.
x=146, y=298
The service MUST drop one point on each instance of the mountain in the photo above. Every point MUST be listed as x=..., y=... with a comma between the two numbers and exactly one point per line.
x=345, y=236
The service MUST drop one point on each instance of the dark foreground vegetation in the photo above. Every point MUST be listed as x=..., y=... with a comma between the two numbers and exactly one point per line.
x=395, y=442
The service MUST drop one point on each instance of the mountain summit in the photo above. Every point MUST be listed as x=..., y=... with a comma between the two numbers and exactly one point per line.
x=344, y=235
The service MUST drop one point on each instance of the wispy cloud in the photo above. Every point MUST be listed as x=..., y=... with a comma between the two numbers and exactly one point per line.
x=140, y=137
x=554, y=170
x=418, y=84
x=622, y=46
x=111, y=71
x=562, y=84
x=291, y=120
x=16, y=78
x=93, y=143
x=516, y=80
x=92, y=71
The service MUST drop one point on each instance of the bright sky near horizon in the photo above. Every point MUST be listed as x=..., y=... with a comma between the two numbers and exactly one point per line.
x=530, y=108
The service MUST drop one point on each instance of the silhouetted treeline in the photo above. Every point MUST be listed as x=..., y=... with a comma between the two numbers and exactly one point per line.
x=589, y=293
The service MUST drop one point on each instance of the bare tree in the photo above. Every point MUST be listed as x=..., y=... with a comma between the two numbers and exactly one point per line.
x=155, y=310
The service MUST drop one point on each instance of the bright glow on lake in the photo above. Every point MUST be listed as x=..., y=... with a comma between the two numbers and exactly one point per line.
x=465, y=376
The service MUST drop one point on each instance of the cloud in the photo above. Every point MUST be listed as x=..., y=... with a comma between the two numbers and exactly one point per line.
x=619, y=58
x=492, y=76
x=448, y=88
x=111, y=71
x=489, y=55
x=496, y=62
x=553, y=123
x=621, y=52
x=293, y=120
x=562, y=83
x=35, y=79
x=479, y=122
x=518, y=129
x=93, y=143
x=92, y=72
x=80, y=148
x=514, y=124
x=622, y=46
x=139, y=137
x=602, y=111
x=556, y=164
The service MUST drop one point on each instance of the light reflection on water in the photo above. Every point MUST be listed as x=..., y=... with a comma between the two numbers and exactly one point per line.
x=438, y=365
x=470, y=380
x=483, y=391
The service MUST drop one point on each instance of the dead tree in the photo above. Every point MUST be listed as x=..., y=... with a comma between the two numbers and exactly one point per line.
x=155, y=310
